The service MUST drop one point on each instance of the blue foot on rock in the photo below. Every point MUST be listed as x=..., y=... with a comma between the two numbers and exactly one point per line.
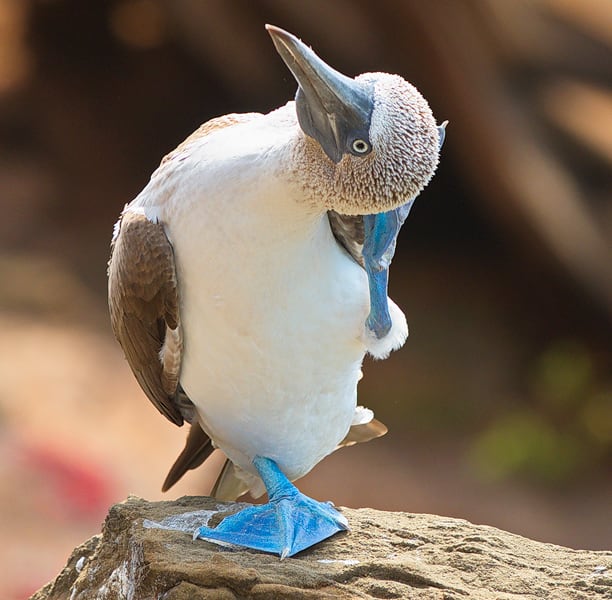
x=381, y=231
x=287, y=524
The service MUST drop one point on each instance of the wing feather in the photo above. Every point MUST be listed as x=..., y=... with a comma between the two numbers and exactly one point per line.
x=144, y=308
x=349, y=232
x=198, y=448
x=143, y=302
x=363, y=432
x=229, y=487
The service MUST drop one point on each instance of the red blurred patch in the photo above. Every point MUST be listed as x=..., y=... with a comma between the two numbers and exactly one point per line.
x=81, y=488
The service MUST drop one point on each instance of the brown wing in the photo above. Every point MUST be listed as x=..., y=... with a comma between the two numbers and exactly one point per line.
x=198, y=448
x=363, y=432
x=349, y=232
x=143, y=301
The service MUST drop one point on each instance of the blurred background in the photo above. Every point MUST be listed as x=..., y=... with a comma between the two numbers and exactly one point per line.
x=500, y=404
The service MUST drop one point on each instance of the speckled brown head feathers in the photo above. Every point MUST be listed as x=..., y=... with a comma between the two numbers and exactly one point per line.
x=405, y=152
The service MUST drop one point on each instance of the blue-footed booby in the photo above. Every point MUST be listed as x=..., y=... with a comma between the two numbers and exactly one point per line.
x=248, y=280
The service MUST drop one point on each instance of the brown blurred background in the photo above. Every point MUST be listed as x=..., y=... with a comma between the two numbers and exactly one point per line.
x=499, y=406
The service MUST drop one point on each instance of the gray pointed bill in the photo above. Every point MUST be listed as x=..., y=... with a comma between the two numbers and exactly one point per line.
x=332, y=108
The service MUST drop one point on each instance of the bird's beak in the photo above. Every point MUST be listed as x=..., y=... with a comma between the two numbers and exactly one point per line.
x=332, y=108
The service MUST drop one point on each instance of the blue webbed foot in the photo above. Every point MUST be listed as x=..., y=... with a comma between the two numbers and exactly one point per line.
x=381, y=231
x=289, y=523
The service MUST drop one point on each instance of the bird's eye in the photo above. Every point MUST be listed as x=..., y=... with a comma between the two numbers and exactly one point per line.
x=360, y=147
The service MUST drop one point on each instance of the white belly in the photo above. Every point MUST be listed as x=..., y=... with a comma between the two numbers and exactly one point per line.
x=273, y=336
x=272, y=309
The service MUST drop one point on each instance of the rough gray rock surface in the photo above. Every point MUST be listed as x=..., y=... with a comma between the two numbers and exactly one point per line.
x=385, y=555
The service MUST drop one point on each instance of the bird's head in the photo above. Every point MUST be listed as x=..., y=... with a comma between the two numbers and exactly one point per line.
x=371, y=143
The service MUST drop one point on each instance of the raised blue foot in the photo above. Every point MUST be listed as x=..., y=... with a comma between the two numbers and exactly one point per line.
x=289, y=523
x=381, y=231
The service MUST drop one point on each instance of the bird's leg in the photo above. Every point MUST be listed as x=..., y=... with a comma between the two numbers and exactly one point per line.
x=381, y=231
x=287, y=524
x=379, y=319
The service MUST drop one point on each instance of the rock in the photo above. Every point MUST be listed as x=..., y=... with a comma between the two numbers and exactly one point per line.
x=385, y=555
